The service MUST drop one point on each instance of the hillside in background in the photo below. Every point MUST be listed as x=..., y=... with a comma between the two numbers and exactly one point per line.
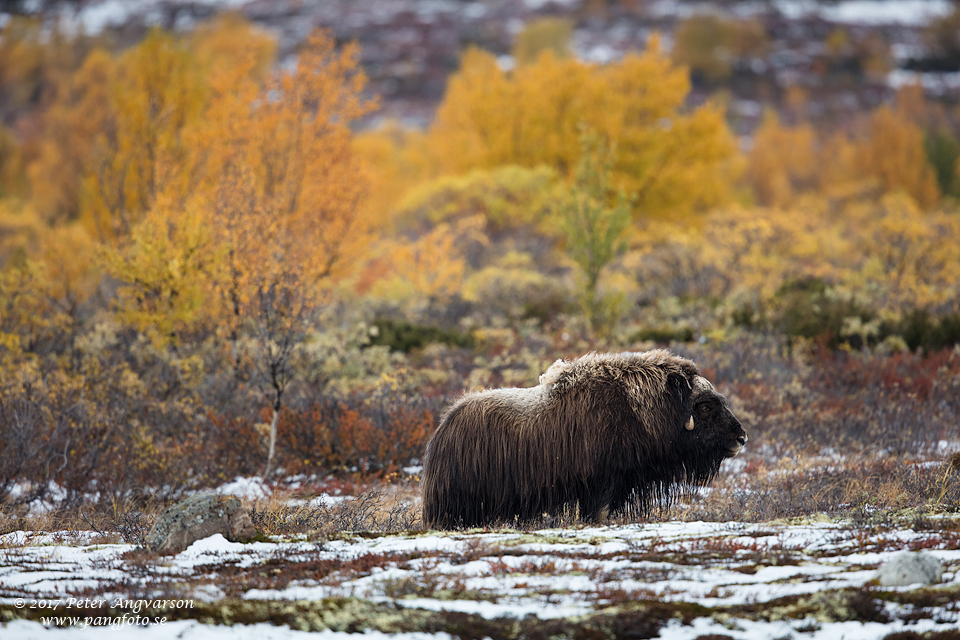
x=834, y=58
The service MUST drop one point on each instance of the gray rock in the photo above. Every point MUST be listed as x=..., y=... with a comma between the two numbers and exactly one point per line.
x=910, y=567
x=199, y=517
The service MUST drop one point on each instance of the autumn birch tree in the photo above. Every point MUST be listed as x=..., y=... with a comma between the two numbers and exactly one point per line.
x=234, y=216
x=286, y=195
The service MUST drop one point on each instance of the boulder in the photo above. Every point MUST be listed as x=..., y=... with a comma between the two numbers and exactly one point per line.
x=910, y=567
x=199, y=517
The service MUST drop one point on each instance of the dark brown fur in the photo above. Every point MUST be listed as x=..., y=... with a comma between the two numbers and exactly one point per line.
x=597, y=432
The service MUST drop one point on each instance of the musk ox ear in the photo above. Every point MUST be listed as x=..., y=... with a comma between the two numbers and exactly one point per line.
x=679, y=384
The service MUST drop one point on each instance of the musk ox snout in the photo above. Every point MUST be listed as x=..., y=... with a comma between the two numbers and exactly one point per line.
x=598, y=433
x=742, y=441
x=714, y=426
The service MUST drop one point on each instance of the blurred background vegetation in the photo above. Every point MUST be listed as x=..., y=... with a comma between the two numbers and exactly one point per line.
x=209, y=268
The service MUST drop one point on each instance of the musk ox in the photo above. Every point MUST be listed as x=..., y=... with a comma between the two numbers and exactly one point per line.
x=598, y=433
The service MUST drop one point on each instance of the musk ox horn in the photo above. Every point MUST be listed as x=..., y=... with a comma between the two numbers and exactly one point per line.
x=690, y=424
x=600, y=432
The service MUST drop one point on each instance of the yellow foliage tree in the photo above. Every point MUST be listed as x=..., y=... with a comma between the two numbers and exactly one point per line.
x=36, y=57
x=168, y=265
x=68, y=256
x=782, y=162
x=11, y=165
x=480, y=213
x=894, y=154
x=114, y=126
x=668, y=160
x=889, y=156
x=508, y=197
x=839, y=175
x=270, y=218
x=430, y=266
x=229, y=37
x=911, y=258
x=157, y=92
x=71, y=127
x=396, y=159
x=19, y=232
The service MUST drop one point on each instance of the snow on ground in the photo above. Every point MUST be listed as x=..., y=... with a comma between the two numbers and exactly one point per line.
x=864, y=12
x=868, y=12
x=548, y=574
x=248, y=488
x=94, y=17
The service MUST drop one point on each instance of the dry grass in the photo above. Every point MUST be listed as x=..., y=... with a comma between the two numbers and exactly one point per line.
x=390, y=508
x=376, y=510
x=867, y=490
x=864, y=490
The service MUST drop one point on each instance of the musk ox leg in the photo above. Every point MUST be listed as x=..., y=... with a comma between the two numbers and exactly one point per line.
x=593, y=511
x=595, y=502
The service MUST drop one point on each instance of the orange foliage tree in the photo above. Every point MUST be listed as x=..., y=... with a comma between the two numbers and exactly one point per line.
x=888, y=156
x=157, y=91
x=269, y=220
x=894, y=154
x=80, y=114
x=782, y=163
x=668, y=160
x=112, y=128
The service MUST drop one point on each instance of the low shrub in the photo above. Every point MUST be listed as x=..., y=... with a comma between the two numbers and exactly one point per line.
x=404, y=336
x=663, y=335
x=335, y=438
x=921, y=330
x=808, y=308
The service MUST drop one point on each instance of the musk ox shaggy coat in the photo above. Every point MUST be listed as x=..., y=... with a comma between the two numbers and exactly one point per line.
x=599, y=432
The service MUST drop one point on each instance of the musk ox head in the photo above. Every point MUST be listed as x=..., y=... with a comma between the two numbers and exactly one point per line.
x=599, y=433
x=712, y=432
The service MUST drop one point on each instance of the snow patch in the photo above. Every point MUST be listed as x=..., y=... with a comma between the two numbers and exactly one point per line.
x=868, y=12
x=552, y=573
x=214, y=545
x=250, y=488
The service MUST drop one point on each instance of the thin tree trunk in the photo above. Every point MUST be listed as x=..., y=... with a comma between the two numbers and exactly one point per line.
x=273, y=441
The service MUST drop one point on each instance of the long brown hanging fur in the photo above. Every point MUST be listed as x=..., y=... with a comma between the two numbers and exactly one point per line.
x=597, y=433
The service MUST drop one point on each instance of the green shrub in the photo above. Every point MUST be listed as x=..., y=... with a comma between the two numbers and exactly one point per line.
x=663, y=335
x=404, y=336
x=809, y=308
x=919, y=329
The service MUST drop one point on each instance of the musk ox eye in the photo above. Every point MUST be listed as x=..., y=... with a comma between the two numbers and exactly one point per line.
x=704, y=408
